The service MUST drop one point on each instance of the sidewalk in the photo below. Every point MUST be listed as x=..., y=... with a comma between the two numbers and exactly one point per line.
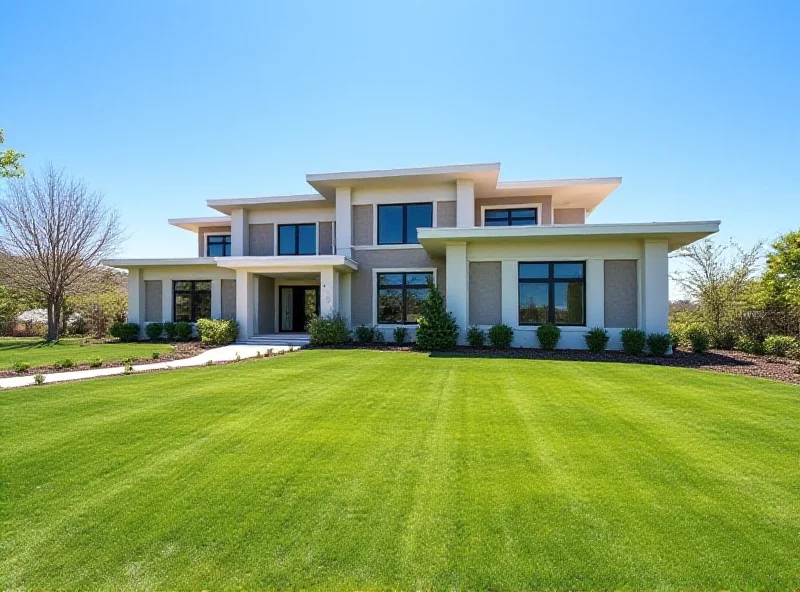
x=221, y=354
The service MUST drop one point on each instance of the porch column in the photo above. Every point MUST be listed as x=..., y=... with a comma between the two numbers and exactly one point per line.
x=457, y=292
x=465, y=203
x=655, y=286
x=344, y=222
x=328, y=291
x=136, y=298
x=240, y=233
x=595, y=293
x=245, y=314
x=166, y=301
x=216, y=299
x=509, y=293
x=344, y=296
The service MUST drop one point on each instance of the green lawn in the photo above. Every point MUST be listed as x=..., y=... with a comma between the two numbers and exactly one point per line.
x=366, y=469
x=38, y=352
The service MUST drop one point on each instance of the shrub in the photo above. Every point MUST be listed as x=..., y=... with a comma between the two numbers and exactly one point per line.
x=658, y=343
x=437, y=330
x=548, y=335
x=169, y=330
x=749, y=345
x=155, y=355
x=400, y=335
x=65, y=363
x=633, y=341
x=128, y=368
x=779, y=345
x=476, y=337
x=596, y=340
x=21, y=367
x=95, y=362
x=210, y=363
x=698, y=339
x=124, y=331
x=328, y=330
x=365, y=333
x=500, y=336
x=183, y=331
x=38, y=379
x=154, y=330
x=723, y=339
x=218, y=331
x=126, y=361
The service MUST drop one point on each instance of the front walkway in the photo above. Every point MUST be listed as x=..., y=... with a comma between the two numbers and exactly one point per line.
x=227, y=353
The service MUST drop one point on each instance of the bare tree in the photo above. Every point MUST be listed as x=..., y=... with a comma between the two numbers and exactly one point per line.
x=56, y=232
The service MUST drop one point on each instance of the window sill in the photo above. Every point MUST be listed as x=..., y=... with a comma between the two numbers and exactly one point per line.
x=564, y=328
x=385, y=247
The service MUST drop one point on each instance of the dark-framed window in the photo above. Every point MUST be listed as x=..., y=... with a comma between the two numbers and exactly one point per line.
x=218, y=245
x=398, y=223
x=511, y=217
x=400, y=296
x=297, y=239
x=191, y=300
x=552, y=292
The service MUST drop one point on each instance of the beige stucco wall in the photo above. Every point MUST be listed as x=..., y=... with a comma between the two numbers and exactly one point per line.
x=621, y=294
x=485, y=292
x=152, y=301
x=445, y=214
x=228, y=293
x=544, y=211
x=325, y=238
x=201, y=237
x=569, y=216
x=262, y=240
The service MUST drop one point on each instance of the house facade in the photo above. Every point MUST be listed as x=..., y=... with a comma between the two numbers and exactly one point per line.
x=367, y=244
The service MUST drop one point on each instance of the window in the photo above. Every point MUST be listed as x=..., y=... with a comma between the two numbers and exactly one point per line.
x=510, y=217
x=297, y=239
x=397, y=224
x=218, y=245
x=400, y=296
x=552, y=292
x=191, y=300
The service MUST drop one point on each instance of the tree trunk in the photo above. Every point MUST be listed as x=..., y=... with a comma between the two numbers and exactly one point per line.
x=53, y=319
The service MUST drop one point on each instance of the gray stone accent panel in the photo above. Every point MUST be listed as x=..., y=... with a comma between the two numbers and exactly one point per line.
x=201, y=237
x=446, y=214
x=569, y=216
x=262, y=240
x=228, y=308
x=544, y=212
x=325, y=238
x=362, y=296
x=152, y=301
x=485, y=296
x=266, y=305
x=621, y=294
x=362, y=225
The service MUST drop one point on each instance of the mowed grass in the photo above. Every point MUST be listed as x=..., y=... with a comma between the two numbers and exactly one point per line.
x=364, y=469
x=38, y=352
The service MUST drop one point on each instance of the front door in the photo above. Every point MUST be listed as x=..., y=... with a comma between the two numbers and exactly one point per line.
x=297, y=305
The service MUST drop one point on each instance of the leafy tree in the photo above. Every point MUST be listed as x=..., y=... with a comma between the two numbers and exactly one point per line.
x=780, y=285
x=10, y=165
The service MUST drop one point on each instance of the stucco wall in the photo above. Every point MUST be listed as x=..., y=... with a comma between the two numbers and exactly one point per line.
x=621, y=294
x=485, y=292
x=569, y=216
x=201, y=237
x=363, y=225
x=152, y=301
x=544, y=210
x=262, y=240
x=325, y=238
x=445, y=214
x=228, y=305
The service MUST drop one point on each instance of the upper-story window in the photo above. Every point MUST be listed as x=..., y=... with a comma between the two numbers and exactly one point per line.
x=511, y=217
x=398, y=223
x=218, y=245
x=297, y=239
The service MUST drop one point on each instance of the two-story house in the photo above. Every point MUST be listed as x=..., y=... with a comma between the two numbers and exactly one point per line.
x=366, y=244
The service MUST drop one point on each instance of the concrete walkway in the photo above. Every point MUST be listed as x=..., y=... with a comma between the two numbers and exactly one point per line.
x=219, y=354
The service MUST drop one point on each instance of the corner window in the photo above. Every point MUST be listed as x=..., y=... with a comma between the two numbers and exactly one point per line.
x=218, y=245
x=552, y=292
x=191, y=300
x=397, y=224
x=400, y=296
x=297, y=239
x=511, y=217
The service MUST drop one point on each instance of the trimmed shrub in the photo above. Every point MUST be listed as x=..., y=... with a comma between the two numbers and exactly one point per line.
x=124, y=331
x=750, y=346
x=38, y=379
x=437, y=330
x=154, y=330
x=65, y=363
x=169, y=330
x=95, y=362
x=218, y=331
x=183, y=331
x=155, y=355
x=328, y=330
x=365, y=333
x=633, y=341
x=400, y=335
x=596, y=340
x=500, y=336
x=779, y=345
x=21, y=367
x=723, y=339
x=698, y=339
x=548, y=335
x=658, y=343
x=476, y=337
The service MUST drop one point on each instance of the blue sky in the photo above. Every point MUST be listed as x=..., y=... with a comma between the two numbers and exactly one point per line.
x=162, y=105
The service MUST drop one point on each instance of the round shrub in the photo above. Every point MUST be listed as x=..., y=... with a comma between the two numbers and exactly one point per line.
x=183, y=331
x=400, y=335
x=723, y=339
x=779, y=345
x=218, y=331
x=95, y=362
x=658, y=343
x=750, y=346
x=698, y=339
x=169, y=330
x=364, y=334
x=548, y=335
x=633, y=341
x=21, y=367
x=328, y=330
x=501, y=336
x=476, y=337
x=596, y=340
x=38, y=379
x=437, y=330
x=124, y=331
x=154, y=330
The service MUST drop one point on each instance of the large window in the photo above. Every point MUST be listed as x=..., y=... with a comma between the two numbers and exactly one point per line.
x=191, y=300
x=400, y=296
x=218, y=245
x=510, y=217
x=552, y=292
x=297, y=239
x=397, y=224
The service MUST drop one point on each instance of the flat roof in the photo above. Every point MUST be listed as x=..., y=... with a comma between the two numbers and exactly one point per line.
x=194, y=224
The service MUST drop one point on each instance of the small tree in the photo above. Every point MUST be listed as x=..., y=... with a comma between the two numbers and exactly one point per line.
x=10, y=165
x=437, y=330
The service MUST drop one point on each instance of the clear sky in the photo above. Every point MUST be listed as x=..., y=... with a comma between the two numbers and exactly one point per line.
x=162, y=105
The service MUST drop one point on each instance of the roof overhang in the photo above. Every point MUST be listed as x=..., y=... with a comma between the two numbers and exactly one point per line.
x=227, y=205
x=194, y=224
x=129, y=263
x=289, y=263
x=676, y=234
x=566, y=193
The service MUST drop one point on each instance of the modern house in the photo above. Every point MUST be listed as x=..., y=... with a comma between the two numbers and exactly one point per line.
x=366, y=244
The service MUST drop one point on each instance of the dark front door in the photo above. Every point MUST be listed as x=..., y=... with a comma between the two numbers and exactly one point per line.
x=297, y=305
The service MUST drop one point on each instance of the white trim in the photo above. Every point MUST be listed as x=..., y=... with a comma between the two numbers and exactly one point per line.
x=375, y=273
x=536, y=206
x=403, y=203
x=407, y=172
x=205, y=236
x=386, y=247
x=194, y=224
x=316, y=237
